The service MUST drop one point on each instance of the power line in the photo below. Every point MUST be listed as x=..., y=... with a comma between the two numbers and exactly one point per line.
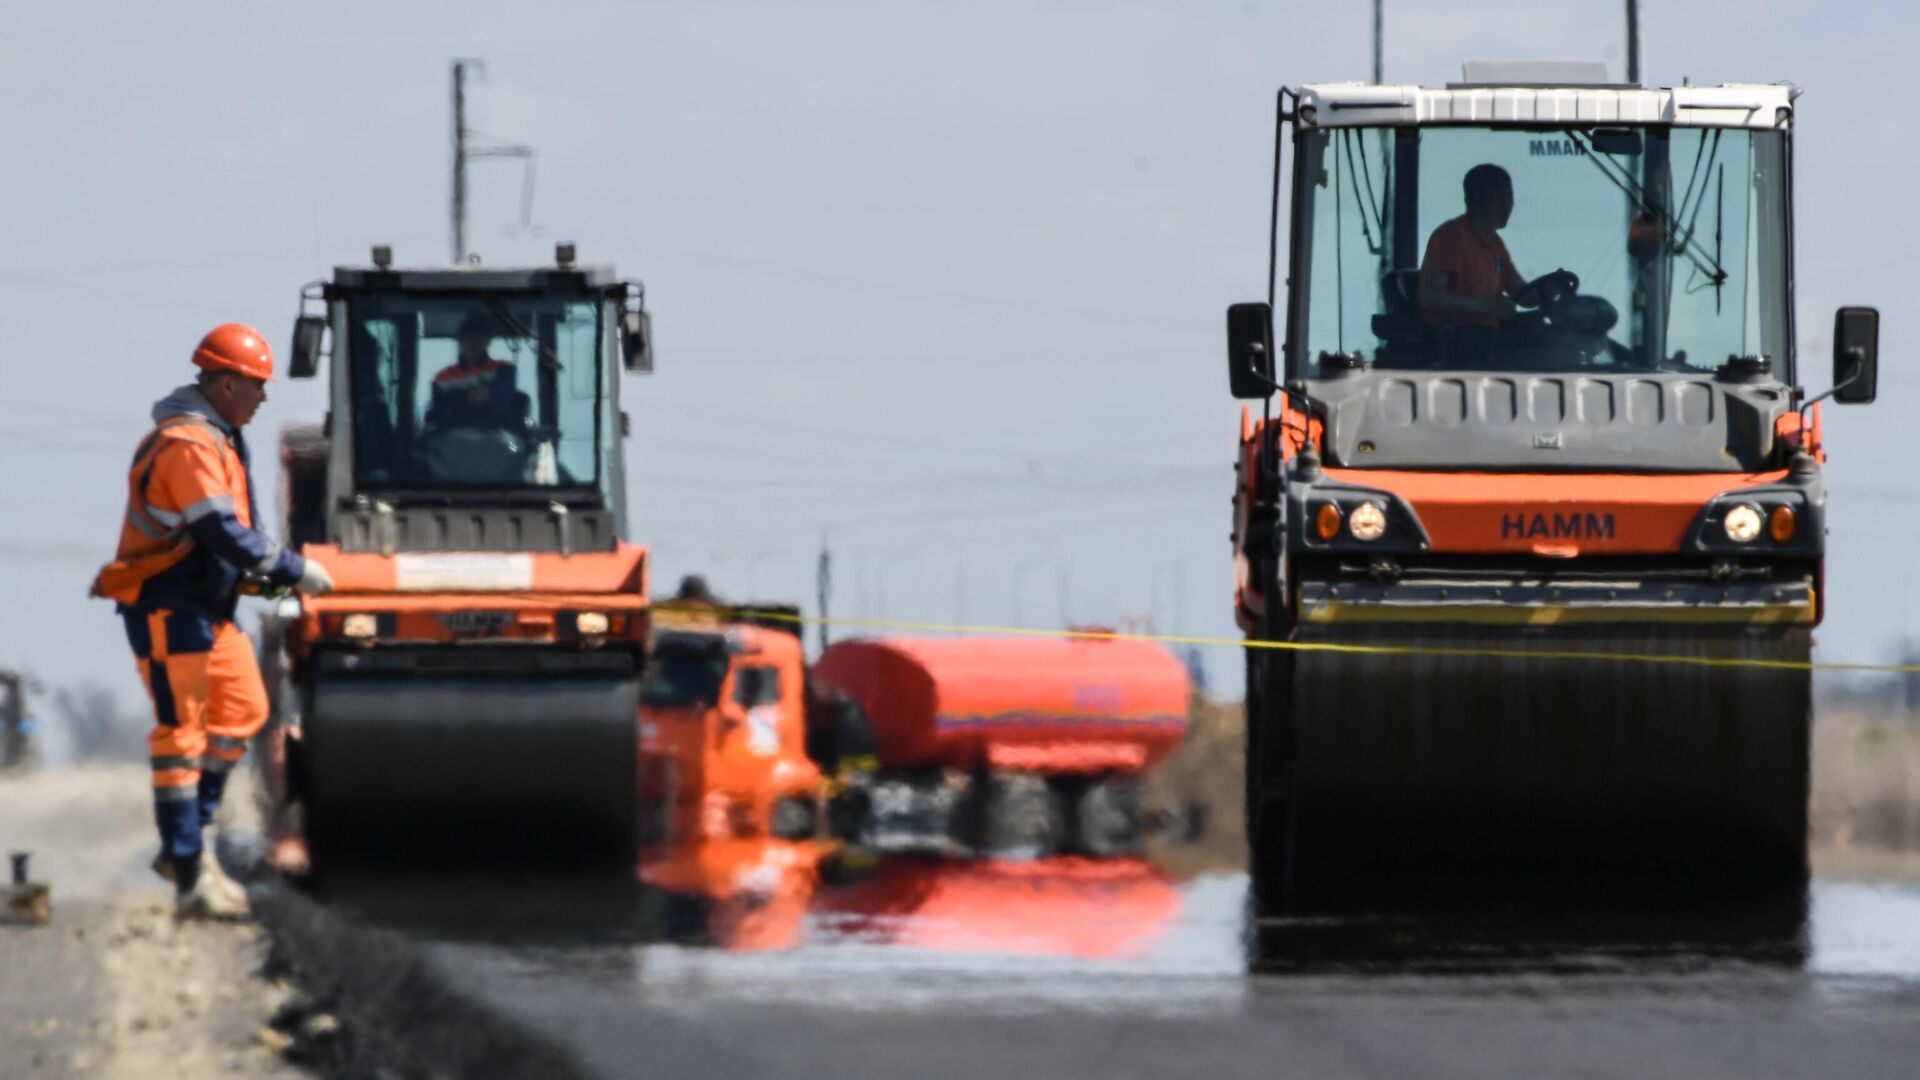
x=920, y=293
x=44, y=284
x=909, y=361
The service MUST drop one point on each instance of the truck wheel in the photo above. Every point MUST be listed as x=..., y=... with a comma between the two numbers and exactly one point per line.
x=793, y=818
x=848, y=815
x=1020, y=816
x=1107, y=817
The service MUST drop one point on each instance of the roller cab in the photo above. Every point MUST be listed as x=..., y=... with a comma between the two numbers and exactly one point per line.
x=475, y=677
x=1534, y=458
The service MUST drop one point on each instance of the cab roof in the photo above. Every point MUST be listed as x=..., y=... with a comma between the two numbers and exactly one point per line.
x=476, y=278
x=1733, y=105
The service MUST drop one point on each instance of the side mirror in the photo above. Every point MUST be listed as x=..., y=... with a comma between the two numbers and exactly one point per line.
x=1856, y=355
x=636, y=340
x=309, y=331
x=1250, y=351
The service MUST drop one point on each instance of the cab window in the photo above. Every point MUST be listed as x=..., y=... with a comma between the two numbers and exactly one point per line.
x=755, y=686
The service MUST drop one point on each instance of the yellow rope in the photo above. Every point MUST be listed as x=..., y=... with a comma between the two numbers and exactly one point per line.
x=1301, y=646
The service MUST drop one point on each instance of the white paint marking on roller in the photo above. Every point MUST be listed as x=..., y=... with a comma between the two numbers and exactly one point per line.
x=462, y=572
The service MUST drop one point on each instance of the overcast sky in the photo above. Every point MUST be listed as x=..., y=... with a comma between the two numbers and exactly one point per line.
x=940, y=282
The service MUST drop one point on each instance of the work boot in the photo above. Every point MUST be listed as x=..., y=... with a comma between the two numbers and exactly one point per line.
x=210, y=873
x=207, y=900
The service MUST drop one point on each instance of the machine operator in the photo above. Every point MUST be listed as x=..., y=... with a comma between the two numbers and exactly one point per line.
x=476, y=390
x=1467, y=280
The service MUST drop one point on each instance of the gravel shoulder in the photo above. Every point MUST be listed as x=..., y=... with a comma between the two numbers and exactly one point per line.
x=114, y=986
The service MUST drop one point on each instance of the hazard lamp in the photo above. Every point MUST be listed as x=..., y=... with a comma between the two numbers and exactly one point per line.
x=1367, y=521
x=1742, y=523
x=1781, y=524
x=1326, y=521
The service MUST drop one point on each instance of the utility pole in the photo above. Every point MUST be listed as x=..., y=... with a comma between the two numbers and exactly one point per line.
x=1633, y=42
x=464, y=150
x=1379, y=33
x=460, y=158
x=823, y=582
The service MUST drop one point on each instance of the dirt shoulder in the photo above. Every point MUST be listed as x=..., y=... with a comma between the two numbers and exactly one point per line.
x=114, y=986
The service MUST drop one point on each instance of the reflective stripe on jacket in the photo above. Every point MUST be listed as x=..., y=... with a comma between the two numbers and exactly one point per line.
x=188, y=534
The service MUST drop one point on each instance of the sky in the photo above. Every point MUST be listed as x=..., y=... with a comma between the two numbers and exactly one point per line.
x=936, y=285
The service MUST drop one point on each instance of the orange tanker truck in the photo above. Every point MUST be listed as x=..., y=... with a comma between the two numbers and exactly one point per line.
x=1532, y=391
x=1007, y=746
x=475, y=676
x=1020, y=746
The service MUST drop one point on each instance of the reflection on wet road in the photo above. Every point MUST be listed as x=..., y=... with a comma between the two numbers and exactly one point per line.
x=768, y=958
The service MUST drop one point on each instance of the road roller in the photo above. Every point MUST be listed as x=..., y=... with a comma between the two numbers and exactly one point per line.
x=472, y=685
x=1529, y=519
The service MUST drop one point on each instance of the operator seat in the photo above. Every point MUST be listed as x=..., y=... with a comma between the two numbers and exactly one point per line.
x=1406, y=340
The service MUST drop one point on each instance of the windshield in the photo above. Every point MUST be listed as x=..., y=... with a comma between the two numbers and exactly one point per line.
x=685, y=677
x=475, y=391
x=1662, y=249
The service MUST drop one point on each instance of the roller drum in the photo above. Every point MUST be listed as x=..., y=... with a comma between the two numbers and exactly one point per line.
x=524, y=768
x=1432, y=774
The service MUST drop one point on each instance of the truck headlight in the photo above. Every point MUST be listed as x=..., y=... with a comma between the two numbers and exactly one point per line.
x=1742, y=523
x=1368, y=522
x=360, y=625
x=590, y=623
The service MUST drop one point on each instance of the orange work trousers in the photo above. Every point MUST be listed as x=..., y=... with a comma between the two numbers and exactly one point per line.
x=208, y=700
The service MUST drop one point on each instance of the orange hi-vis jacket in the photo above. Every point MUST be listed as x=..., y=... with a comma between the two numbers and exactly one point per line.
x=188, y=536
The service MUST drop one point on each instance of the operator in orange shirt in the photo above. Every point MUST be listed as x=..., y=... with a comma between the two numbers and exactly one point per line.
x=475, y=390
x=188, y=545
x=1467, y=279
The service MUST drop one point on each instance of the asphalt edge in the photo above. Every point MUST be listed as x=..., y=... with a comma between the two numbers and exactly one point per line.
x=402, y=1012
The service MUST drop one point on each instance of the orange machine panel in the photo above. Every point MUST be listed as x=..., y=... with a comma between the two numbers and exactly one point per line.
x=1044, y=705
x=1639, y=514
x=622, y=570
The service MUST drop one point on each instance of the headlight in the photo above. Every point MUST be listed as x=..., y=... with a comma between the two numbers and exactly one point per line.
x=1742, y=523
x=590, y=623
x=360, y=625
x=1326, y=521
x=1368, y=522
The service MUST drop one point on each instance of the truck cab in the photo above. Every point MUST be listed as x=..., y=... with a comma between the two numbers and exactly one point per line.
x=723, y=736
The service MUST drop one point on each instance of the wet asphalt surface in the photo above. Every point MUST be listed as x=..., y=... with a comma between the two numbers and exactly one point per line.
x=768, y=961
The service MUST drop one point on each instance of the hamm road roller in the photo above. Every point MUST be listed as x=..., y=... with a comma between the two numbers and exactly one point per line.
x=1534, y=503
x=475, y=676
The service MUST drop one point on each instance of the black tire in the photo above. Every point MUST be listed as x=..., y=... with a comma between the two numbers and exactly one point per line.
x=1107, y=818
x=793, y=818
x=1020, y=816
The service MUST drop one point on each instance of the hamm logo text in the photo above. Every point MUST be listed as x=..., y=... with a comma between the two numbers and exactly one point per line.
x=1577, y=526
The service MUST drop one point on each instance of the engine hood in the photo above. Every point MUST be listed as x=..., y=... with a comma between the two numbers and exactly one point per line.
x=1504, y=421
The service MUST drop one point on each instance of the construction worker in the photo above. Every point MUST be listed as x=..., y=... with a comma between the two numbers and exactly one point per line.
x=188, y=546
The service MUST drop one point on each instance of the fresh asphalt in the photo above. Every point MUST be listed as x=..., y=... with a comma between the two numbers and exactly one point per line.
x=952, y=978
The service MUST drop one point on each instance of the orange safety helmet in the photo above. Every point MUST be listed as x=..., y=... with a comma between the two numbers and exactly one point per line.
x=235, y=347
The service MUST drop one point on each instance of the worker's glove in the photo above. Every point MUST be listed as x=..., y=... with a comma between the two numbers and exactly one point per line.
x=314, y=580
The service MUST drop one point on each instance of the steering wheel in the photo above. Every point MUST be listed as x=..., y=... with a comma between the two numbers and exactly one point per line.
x=1548, y=289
